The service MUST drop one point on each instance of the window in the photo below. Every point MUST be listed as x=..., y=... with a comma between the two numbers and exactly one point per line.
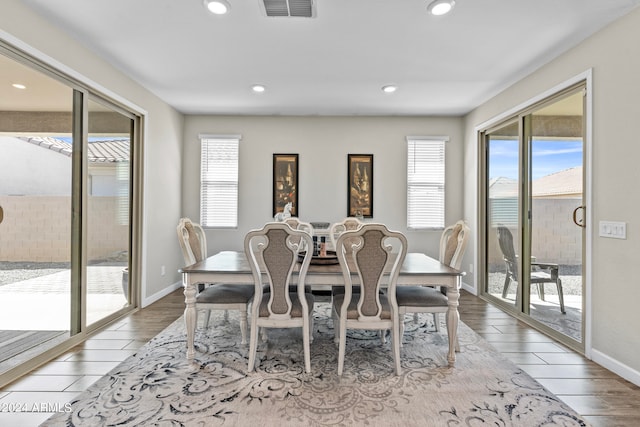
x=425, y=182
x=219, y=181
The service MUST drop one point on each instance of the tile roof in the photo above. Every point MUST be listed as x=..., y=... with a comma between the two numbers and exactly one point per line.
x=563, y=183
x=106, y=150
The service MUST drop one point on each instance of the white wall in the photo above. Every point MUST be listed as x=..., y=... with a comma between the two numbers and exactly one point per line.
x=322, y=144
x=614, y=56
x=20, y=159
x=163, y=150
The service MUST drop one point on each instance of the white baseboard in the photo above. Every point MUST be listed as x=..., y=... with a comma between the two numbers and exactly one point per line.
x=615, y=366
x=166, y=291
x=470, y=289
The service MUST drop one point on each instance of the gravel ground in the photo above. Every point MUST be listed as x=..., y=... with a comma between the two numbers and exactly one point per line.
x=11, y=272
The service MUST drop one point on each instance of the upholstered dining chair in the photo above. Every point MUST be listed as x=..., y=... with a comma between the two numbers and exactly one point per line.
x=541, y=272
x=193, y=243
x=272, y=252
x=375, y=255
x=423, y=299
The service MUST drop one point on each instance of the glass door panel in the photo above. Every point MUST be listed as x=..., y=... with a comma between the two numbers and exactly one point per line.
x=35, y=212
x=502, y=210
x=556, y=175
x=108, y=225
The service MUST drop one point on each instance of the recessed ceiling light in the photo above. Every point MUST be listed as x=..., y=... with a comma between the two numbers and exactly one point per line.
x=389, y=88
x=441, y=7
x=19, y=86
x=217, y=7
x=258, y=88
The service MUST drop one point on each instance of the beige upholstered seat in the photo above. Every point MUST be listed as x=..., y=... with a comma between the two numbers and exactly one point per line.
x=367, y=254
x=421, y=299
x=540, y=274
x=216, y=296
x=272, y=252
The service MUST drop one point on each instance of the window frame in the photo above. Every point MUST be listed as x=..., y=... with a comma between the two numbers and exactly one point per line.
x=429, y=142
x=208, y=200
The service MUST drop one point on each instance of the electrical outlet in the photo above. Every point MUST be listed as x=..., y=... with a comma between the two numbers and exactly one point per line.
x=163, y=271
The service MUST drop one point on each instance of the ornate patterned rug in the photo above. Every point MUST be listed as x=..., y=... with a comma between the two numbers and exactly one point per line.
x=157, y=387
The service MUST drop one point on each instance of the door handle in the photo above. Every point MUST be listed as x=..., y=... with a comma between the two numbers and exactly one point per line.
x=575, y=216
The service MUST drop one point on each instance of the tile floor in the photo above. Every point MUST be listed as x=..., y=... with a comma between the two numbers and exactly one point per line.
x=603, y=398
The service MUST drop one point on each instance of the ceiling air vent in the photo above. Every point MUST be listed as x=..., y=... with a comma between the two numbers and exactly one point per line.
x=294, y=8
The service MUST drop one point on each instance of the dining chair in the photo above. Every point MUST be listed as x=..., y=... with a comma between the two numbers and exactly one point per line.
x=540, y=273
x=217, y=296
x=424, y=299
x=272, y=252
x=374, y=255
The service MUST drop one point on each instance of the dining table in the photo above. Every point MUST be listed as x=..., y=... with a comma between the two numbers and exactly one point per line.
x=232, y=267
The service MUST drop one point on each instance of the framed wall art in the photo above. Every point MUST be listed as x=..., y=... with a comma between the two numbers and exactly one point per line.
x=360, y=185
x=285, y=182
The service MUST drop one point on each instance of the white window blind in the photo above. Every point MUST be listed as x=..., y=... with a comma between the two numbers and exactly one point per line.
x=425, y=182
x=219, y=181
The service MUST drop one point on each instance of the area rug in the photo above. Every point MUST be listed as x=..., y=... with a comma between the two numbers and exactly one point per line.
x=158, y=387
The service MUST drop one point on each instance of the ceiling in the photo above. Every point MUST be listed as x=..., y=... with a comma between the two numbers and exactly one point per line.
x=336, y=62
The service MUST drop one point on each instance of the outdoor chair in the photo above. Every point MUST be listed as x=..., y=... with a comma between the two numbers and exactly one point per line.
x=540, y=274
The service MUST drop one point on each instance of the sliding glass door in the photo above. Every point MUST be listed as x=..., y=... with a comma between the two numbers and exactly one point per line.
x=533, y=215
x=66, y=198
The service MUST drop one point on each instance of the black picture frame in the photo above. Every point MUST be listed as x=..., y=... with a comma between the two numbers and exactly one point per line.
x=285, y=182
x=360, y=185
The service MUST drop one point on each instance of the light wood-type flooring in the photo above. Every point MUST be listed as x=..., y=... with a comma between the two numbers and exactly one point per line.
x=603, y=398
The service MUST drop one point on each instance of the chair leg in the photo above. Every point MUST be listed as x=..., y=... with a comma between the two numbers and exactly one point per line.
x=310, y=329
x=207, y=317
x=226, y=316
x=416, y=319
x=401, y=328
x=341, y=349
x=253, y=345
x=541, y=291
x=560, y=296
x=243, y=326
x=395, y=343
x=505, y=289
x=306, y=338
x=336, y=326
x=436, y=321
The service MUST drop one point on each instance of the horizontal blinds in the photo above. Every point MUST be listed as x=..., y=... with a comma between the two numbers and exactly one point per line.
x=219, y=182
x=425, y=183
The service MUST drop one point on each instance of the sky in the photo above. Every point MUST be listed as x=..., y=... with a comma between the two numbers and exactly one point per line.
x=549, y=156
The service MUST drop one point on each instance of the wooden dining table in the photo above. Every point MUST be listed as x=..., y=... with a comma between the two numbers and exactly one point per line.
x=233, y=268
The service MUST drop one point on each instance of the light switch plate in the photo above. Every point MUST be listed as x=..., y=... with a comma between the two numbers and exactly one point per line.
x=613, y=229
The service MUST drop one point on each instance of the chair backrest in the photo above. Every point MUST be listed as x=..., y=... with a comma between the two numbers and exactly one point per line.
x=272, y=252
x=453, y=244
x=505, y=240
x=193, y=241
x=375, y=256
x=337, y=228
x=296, y=224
